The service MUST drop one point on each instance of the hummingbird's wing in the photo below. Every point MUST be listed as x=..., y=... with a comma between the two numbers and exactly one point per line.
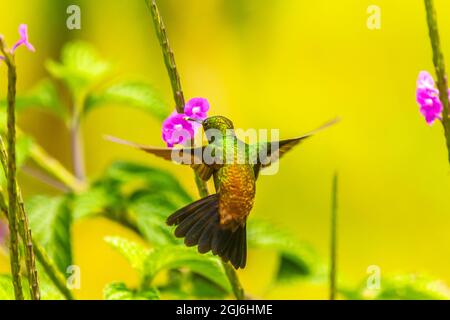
x=267, y=153
x=186, y=155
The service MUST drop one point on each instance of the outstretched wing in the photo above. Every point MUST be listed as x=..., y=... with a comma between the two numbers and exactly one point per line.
x=267, y=153
x=187, y=156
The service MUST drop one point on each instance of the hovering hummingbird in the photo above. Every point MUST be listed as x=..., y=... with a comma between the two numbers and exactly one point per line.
x=217, y=222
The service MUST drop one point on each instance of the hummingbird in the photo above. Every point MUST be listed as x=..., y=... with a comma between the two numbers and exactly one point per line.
x=217, y=222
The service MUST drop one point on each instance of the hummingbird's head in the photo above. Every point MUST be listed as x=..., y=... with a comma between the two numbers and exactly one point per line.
x=217, y=122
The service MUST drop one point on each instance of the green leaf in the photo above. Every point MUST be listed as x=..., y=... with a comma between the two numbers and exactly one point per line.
x=132, y=94
x=297, y=260
x=23, y=148
x=119, y=291
x=154, y=180
x=44, y=96
x=175, y=257
x=409, y=287
x=202, y=287
x=189, y=285
x=151, y=211
x=133, y=252
x=171, y=257
x=80, y=67
x=93, y=201
x=51, y=221
x=6, y=287
x=48, y=292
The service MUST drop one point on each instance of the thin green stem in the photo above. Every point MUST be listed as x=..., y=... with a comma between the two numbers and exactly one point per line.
x=54, y=168
x=233, y=278
x=169, y=60
x=50, y=268
x=333, y=238
x=11, y=175
x=76, y=141
x=202, y=187
x=24, y=230
x=439, y=65
x=53, y=272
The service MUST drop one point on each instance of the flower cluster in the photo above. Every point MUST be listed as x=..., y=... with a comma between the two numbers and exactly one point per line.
x=427, y=96
x=23, y=32
x=176, y=129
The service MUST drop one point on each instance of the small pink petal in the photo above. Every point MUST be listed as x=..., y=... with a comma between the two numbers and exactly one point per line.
x=23, y=32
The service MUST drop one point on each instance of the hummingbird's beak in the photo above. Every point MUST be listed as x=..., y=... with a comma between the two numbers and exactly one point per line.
x=194, y=120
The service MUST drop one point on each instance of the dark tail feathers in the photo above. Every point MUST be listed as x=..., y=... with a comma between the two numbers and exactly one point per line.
x=199, y=224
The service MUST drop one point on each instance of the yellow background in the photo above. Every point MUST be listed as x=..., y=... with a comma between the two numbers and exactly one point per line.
x=287, y=64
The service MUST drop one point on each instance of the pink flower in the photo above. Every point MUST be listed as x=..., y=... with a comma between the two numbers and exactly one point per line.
x=197, y=108
x=23, y=31
x=176, y=129
x=427, y=96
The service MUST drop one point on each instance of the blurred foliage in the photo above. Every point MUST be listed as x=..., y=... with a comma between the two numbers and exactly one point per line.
x=402, y=287
x=141, y=197
x=137, y=196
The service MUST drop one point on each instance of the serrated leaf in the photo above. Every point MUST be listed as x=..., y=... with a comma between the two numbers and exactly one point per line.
x=51, y=222
x=43, y=96
x=409, y=287
x=296, y=260
x=153, y=179
x=133, y=252
x=119, y=291
x=131, y=94
x=48, y=292
x=175, y=257
x=91, y=202
x=80, y=67
x=151, y=211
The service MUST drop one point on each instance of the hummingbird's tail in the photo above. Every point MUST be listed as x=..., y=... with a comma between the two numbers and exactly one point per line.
x=199, y=224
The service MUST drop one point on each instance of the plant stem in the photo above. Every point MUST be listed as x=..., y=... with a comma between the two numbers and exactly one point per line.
x=45, y=178
x=11, y=175
x=77, y=147
x=169, y=60
x=53, y=272
x=439, y=65
x=24, y=229
x=50, y=268
x=202, y=187
x=56, y=169
x=333, y=238
x=233, y=278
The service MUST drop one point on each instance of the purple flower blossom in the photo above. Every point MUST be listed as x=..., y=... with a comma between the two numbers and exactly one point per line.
x=177, y=130
x=23, y=31
x=427, y=96
x=197, y=108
